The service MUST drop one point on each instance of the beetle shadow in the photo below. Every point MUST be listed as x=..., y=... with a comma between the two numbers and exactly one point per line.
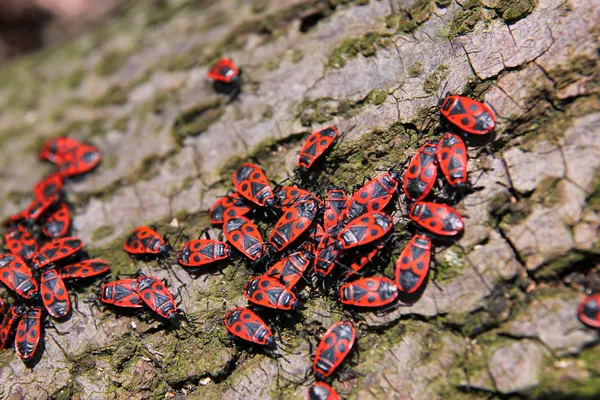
x=411, y=298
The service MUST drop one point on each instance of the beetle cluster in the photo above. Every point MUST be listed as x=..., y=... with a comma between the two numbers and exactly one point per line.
x=40, y=256
x=328, y=240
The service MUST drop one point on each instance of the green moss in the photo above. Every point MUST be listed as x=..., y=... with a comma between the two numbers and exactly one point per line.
x=102, y=232
x=112, y=62
x=120, y=124
x=432, y=82
x=548, y=192
x=272, y=63
x=515, y=214
x=593, y=200
x=74, y=78
x=580, y=380
x=450, y=265
x=443, y=3
x=465, y=20
x=365, y=45
x=558, y=266
x=259, y=6
x=72, y=390
x=407, y=20
x=114, y=95
x=572, y=72
x=415, y=70
x=120, y=262
x=377, y=96
x=514, y=10
x=197, y=119
x=297, y=55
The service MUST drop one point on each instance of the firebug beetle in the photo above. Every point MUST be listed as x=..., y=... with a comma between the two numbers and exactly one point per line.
x=321, y=391
x=145, y=241
x=293, y=223
x=8, y=323
x=270, y=293
x=326, y=255
x=245, y=324
x=17, y=276
x=375, y=291
x=28, y=334
x=226, y=77
x=244, y=236
x=56, y=149
x=469, y=115
x=373, y=196
x=334, y=207
x=316, y=144
x=421, y=173
x=413, y=264
x=121, y=293
x=157, y=296
x=49, y=186
x=314, y=238
x=80, y=160
x=21, y=242
x=287, y=196
x=233, y=204
x=54, y=294
x=251, y=182
x=439, y=219
x=58, y=222
x=289, y=269
x=224, y=70
x=333, y=348
x=589, y=310
x=39, y=207
x=56, y=250
x=85, y=269
x=452, y=158
x=364, y=229
x=360, y=260
x=199, y=252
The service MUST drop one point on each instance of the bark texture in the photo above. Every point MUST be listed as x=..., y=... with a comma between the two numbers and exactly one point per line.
x=500, y=320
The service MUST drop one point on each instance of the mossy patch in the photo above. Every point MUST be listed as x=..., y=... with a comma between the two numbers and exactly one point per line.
x=579, y=380
x=112, y=62
x=515, y=213
x=443, y=3
x=114, y=95
x=593, y=200
x=449, y=265
x=432, y=82
x=548, y=192
x=464, y=21
x=513, y=10
x=407, y=20
x=415, y=70
x=366, y=45
x=259, y=6
x=197, y=119
x=377, y=96
x=558, y=266
x=297, y=56
x=72, y=390
x=102, y=232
